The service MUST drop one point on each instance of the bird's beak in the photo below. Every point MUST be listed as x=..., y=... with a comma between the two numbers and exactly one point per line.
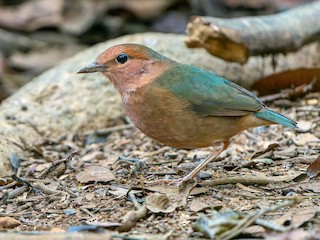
x=93, y=67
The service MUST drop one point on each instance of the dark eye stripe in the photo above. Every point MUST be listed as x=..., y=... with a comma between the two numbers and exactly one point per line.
x=122, y=58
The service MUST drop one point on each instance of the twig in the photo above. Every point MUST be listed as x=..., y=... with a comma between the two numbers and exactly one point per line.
x=300, y=198
x=131, y=218
x=162, y=173
x=156, y=152
x=251, y=218
x=18, y=191
x=290, y=93
x=10, y=185
x=126, y=237
x=16, y=214
x=73, y=194
x=31, y=199
x=58, y=167
x=247, y=180
x=44, y=188
x=87, y=212
x=133, y=199
x=105, y=131
x=302, y=159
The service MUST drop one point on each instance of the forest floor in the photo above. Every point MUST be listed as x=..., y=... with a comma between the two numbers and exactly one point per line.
x=112, y=180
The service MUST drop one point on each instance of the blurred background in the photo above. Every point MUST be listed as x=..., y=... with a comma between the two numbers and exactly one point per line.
x=38, y=34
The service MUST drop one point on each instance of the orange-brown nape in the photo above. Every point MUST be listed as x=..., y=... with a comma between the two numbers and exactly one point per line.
x=181, y=105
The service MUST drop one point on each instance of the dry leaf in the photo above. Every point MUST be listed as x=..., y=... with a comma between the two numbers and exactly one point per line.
x=296, y=219
x=302, y=187
x=95, y=173
x=314, y=168
x=197, y=206
x=304, y=138
x=94, y=155
x=160, y=203
x=8, y=223
x=288, y=152
x=120, y=192
x=295, y=234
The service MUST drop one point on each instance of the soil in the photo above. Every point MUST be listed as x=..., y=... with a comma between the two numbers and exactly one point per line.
x=102, y=178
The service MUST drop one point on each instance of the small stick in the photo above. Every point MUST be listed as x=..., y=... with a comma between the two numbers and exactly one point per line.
x=134, y=200
x=247, y=180
x=105, y=131
x=251, y=218
x=156, y=152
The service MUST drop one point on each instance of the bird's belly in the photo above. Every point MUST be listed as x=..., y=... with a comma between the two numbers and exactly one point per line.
x=185, y=129
x=169, y=120
x=182, y=132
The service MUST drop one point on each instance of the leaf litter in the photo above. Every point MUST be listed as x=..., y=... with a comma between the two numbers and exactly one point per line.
x=258, y=188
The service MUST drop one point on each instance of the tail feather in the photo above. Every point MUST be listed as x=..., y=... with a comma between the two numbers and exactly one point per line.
x=272, y=116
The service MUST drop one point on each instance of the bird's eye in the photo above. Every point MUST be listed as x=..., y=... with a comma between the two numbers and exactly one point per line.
x=122, y=58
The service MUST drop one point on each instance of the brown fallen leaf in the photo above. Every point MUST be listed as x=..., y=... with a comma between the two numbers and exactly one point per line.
x=295, y=234
x=160, y=203
x=314, y=168
x=120, y=192
x=302, y=187
x=95, y=173
x=296, y=219
x=287, y=152
x=270, y=147
x=198, y=206
x=8, y=223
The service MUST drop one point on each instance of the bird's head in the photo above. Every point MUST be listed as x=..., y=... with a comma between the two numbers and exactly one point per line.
x=129, y=66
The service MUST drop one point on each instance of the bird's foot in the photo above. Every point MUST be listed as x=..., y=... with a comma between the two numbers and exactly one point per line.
x=185, y=185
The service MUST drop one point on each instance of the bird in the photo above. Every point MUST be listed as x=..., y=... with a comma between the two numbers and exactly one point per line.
x=181, y=105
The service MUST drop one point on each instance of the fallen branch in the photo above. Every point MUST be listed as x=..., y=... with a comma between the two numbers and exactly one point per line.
x=239, y=38
x=290, y=93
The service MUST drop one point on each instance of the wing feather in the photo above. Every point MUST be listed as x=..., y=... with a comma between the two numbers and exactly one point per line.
x=208, y=93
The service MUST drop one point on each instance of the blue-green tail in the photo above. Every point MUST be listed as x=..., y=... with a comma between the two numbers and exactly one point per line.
x=272, y=116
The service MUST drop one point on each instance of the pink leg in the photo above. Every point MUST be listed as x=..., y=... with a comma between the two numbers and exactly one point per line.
x=216, y=152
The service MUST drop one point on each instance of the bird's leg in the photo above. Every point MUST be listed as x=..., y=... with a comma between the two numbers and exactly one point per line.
x=216, y=152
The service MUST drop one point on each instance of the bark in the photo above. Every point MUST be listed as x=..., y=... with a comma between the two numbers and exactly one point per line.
x=237, y=39
x=61, y=102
